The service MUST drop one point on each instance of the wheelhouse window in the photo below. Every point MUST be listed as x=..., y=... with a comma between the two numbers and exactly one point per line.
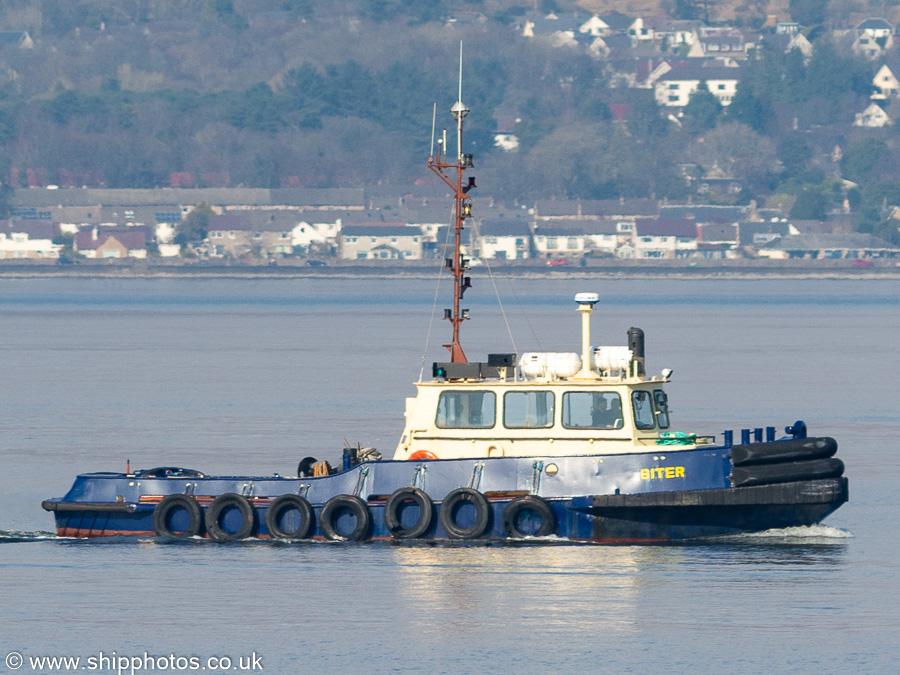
x=466, y=410
x=662, y=408
x=528, y=409
x=592, y=410
x=643, y=410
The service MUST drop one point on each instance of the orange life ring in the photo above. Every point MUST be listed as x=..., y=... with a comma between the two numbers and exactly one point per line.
x=423, y=454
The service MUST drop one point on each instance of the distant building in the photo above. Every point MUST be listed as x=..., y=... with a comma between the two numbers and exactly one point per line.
x=261, y=234
x=387, y=241
x=98, y=242
x=28, y=239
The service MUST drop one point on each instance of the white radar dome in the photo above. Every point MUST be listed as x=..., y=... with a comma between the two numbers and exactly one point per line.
x=587, y=298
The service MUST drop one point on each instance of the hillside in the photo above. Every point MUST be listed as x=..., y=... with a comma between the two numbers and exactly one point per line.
x=308, y=93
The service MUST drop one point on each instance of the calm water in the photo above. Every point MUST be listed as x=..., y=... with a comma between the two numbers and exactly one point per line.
x=248, y=376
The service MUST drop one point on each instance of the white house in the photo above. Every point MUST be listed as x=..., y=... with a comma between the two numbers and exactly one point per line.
x=661, y=238
x=386, y=241
x=872, y=117
x=675, y=87
x=27, y=240
x=305, y=234
x=503, y=239
x=886, y=84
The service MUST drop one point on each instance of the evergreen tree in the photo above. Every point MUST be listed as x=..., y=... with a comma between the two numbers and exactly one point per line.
x=702, y=110
x=748, y=109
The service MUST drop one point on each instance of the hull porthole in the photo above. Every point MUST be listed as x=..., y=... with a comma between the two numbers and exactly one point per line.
x=465, y=514
x=401, y=507
x=230, y=517
x=345, y=518
x=177, y=516
x=289, y=517
x=528, y=516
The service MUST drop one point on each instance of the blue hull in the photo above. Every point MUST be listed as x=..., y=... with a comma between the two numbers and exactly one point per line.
x=653, y=496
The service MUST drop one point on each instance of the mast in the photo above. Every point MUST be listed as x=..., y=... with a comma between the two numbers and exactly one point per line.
x=441, y=165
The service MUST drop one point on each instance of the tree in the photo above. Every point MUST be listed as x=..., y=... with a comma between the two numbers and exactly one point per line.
x=737, y=150
x=861, y=159
x=194, y=226
x=794, y=153
x=811, y=204
x=807, y=12
x=748, y=109
x=702, y=110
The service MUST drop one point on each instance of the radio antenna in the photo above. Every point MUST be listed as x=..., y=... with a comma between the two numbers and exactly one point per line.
x=433, y=120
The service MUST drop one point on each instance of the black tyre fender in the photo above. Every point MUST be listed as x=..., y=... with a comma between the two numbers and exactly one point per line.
x=392, y=513
x=217, y=508
x=783, y=451
x=525, y=504
x=285, y=503
x=787, y=472
x=447, y=514
x=165, y=508
x=331, y=510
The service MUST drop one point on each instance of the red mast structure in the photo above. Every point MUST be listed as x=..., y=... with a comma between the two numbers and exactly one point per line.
x=441, y=165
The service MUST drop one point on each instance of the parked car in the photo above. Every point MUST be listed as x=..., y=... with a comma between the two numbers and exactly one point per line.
x=863, y=263
x=556, y=262
x=65, y=260
x=316, y=263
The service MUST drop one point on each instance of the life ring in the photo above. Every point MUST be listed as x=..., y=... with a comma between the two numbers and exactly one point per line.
x=521, y=513
x=279, y=508
x=340, y=505
x=168, y=508
x=450, y=510
x=422, y=454
x=221, y=506
x=394, y=506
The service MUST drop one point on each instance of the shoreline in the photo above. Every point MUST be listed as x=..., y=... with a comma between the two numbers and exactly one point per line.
x=142, y=269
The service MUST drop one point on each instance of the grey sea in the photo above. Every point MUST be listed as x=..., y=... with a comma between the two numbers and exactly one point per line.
x=250, y=376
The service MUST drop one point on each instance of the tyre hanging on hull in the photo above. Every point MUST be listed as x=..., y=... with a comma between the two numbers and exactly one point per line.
x=783, y=451
x=286, y=511
x=177, y=516
x=397, y=503
x=452, y=511
x=221, y=514
x=337, y=509
x=528, y=516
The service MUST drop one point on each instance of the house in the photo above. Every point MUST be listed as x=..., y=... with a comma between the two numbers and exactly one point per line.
x=873, y=117
x=96, y=242
x=871, y=47
x=677, y=34
x=255, y=233
x=16, y=38
x=886, y=84
x=575, y=238
x=674, y=88
x=309, y=234
x=717, y=240
x=28, y=239
x=785, y=43
x=627, y=209
x=387, y=241
x=661, y=238
x=502, y=239
x=560, y=31
x=565, y=209
x=875, y=28
x=717, y=45
x=829, y=246
x=554, y=240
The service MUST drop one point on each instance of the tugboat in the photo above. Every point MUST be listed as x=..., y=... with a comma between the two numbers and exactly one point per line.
x=540, y=446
